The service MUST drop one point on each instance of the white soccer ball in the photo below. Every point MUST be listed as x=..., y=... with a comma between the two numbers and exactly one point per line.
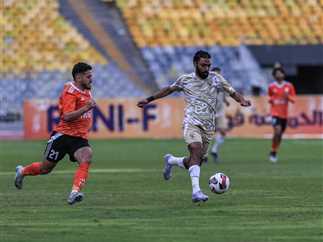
x=219, y=183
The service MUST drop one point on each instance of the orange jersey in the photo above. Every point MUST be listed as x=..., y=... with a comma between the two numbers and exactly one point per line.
x=279, y=96
x=72, y=99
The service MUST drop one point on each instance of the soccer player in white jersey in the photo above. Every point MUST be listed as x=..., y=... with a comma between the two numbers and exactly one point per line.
x=220, y=121
x=201, y=89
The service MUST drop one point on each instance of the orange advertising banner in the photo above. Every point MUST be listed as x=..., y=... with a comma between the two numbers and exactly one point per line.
x=120, y=118
x=305, y=118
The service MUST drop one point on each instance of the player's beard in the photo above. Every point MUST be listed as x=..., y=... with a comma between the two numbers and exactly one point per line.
x=203, y=75
x=87, y=86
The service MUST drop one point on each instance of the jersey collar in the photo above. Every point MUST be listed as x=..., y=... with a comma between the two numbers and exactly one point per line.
x=279, y=84
x=73, y=85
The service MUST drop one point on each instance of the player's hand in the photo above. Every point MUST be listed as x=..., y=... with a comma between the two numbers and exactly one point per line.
x=142, y=103
x=245, y=103
x=91, y=104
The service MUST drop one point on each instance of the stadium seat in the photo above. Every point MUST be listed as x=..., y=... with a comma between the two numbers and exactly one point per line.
x=37, y=38
x=204, y=22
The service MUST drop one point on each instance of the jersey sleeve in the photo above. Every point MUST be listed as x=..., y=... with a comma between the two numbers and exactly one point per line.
x=179, y=82
x=68, y=103
x=292, y=93
x=226, y=85
x=270, y=94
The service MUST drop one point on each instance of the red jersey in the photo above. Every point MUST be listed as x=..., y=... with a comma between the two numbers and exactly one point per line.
x=72, y=99
x=279, y=96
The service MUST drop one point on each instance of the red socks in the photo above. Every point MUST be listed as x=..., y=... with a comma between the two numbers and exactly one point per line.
x=33, y=169
x=80, y=176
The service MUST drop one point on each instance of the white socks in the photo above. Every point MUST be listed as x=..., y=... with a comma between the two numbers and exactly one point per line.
x=218, y=141
x=194, y=172
x=178, y=161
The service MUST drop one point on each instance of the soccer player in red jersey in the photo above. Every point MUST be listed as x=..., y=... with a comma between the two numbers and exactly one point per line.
x=70, y=136
x=280, y=93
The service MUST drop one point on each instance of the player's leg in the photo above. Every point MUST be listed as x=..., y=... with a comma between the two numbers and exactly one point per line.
x=221, y=124
x=219, y=140
x=53, y=153
x=83, y=156
x=183, y=162
x=170, y=161
x=195, y=137
x=194, y=163
x=276, y=140
x=205, y=147
x=33, y=169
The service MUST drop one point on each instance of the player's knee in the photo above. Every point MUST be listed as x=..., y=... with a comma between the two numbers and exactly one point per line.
x=196, y=153
x=86, y=158
x=195, y=147
x=277, y=132
x=84, y=154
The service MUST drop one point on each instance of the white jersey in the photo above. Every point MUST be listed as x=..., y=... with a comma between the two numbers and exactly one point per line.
x=201, y=97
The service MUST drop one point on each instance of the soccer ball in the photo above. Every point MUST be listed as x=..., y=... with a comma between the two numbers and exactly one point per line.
x=219, y=183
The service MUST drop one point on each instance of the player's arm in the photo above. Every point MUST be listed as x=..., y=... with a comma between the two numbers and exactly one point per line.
x=291, y=95
x=270, y=95
x=160, y=94
x=69, y=112
x=225, y=100
x=239, y=98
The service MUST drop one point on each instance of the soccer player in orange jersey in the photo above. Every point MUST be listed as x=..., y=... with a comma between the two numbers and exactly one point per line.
x=280, y=93
x=70, y=136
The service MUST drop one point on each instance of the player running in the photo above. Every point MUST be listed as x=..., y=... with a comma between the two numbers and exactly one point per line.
x=280, y=94
x=201, y=89
x=70, y=135
x=220, y=121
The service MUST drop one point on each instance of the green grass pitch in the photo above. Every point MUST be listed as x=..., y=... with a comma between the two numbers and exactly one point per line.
x=126, y=198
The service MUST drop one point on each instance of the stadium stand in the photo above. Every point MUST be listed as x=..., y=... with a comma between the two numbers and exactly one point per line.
x=237, y=64
x=37, y=38
x=103, y=25
x=39, y=47
x=169, y=32
x=205, y=22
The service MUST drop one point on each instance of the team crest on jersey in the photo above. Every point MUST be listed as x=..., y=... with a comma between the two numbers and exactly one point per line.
x=215, y=81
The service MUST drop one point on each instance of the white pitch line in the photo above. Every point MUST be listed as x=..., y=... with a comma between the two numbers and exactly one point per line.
x=133, y=170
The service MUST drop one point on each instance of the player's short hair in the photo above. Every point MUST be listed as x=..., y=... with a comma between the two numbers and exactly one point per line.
x=201, y=54
x=281, y=69
x=80, y=67
x=216, y=69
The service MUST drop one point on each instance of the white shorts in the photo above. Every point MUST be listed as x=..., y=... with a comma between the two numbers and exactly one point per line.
x=193, y=133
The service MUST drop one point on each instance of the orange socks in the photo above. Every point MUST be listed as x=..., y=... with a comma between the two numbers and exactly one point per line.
x=80, y=176
x=33, y=169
